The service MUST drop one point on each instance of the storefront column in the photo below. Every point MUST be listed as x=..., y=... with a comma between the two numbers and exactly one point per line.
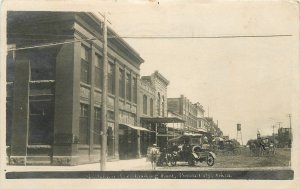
x=92, y=100
x=138, y=153
x=138, y=122
x=20, y=125
x=67, y=105
x=116, y=130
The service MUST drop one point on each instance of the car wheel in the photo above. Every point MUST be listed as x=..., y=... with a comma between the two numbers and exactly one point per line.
x=210, y=160
x=173, y=161
x=191, y=161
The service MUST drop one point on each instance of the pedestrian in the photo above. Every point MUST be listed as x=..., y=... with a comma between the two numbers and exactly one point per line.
x=153, y=156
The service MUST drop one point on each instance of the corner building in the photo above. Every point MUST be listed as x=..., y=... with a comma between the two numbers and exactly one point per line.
x=53, y=102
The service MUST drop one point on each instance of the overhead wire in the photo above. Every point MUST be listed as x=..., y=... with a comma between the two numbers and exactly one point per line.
x=141, y=37
x=49, y=44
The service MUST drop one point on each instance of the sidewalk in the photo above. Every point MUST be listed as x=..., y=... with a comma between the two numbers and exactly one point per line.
x=119, y=165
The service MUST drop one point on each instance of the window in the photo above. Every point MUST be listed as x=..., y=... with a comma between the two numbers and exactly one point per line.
x=97, y=126
x=42, y=64
x=85, y=66
x=84, y=124
x=41, y=122
x=10, y=66
x=134, y=87
x=110, y=115
x=158, y=104
x=111, y=78
x=128, y=87
x=98, y=71
x=163, y=106
x=121, y=83
x=151, y=107
x=9, y=114
x=145, y=104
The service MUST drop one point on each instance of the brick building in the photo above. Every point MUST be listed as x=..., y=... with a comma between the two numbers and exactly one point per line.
x=54, y=92
x=191, y=113
x=153, y=98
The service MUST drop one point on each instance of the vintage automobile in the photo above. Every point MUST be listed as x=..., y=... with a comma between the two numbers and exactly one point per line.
x=190, y=149
x=262, y=146
x=227, y=147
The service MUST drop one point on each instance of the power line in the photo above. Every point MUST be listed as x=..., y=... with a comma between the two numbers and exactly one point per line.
x=200, y=37
x=48, y=44
x=41, y=34
x=147, y=37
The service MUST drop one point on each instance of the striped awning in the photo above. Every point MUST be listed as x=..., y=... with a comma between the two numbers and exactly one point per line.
x=135, y=127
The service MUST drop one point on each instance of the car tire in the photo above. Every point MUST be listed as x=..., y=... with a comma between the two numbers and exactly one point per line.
x=210, y=160
x=191, y=161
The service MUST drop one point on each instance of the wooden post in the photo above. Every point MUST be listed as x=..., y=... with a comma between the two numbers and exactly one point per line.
x=104, y=100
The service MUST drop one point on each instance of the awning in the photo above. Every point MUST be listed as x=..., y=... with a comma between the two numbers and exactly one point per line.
x=135, y=127
x=191, y=134
x=166, y=135
x=162, y=119
x=184, y=136
x=201, y=130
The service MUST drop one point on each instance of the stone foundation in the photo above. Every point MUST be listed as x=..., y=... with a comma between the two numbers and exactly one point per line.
x=65, y=160
x=17, y=160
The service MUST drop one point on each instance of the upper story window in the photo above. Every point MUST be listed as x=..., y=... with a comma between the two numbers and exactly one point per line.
x=145, y=104
x=85, y=65
x=42, y=64
x=163, y=106
x=134, y=88
x=151, y=107
x=158, y=104
x=98, y=71
x=10, y=67
x=128, y=86
x=121, y=83
x=111, y=78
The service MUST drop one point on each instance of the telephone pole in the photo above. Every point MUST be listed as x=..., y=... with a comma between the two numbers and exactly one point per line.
x=279, y=123
x=290, y=117
x=273, y=133
x=104, y=99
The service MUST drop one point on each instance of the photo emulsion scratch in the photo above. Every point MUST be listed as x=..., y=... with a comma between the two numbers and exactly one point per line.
x=200, y=91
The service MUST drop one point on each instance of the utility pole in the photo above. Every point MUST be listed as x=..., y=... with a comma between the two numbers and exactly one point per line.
x=104, y=99
x=273, y=133
x=290, y=117
x=279, y=124
x=208, y=111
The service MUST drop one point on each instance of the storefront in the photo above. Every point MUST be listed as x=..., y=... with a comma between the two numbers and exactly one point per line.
x=129, y=140
x=160, y=131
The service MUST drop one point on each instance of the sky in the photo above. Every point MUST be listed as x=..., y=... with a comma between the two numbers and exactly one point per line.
x=251, y=81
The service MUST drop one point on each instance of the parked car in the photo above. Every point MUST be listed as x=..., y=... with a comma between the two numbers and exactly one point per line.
x=191, y=150
x=227, y=147
x=262, y=146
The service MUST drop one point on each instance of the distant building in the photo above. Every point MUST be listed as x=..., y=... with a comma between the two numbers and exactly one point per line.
x=213, y=127
x=191, y=113
x=153, y=98
x=155, y=86
x=284, y=137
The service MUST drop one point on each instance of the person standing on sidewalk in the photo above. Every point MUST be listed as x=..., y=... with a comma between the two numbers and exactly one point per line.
x=153, y=156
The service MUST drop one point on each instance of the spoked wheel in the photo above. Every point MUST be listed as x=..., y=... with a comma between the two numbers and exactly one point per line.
x=169, y=162
x=237, y=151
x=210, y=160
x=191, y=161
x=173, y=161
